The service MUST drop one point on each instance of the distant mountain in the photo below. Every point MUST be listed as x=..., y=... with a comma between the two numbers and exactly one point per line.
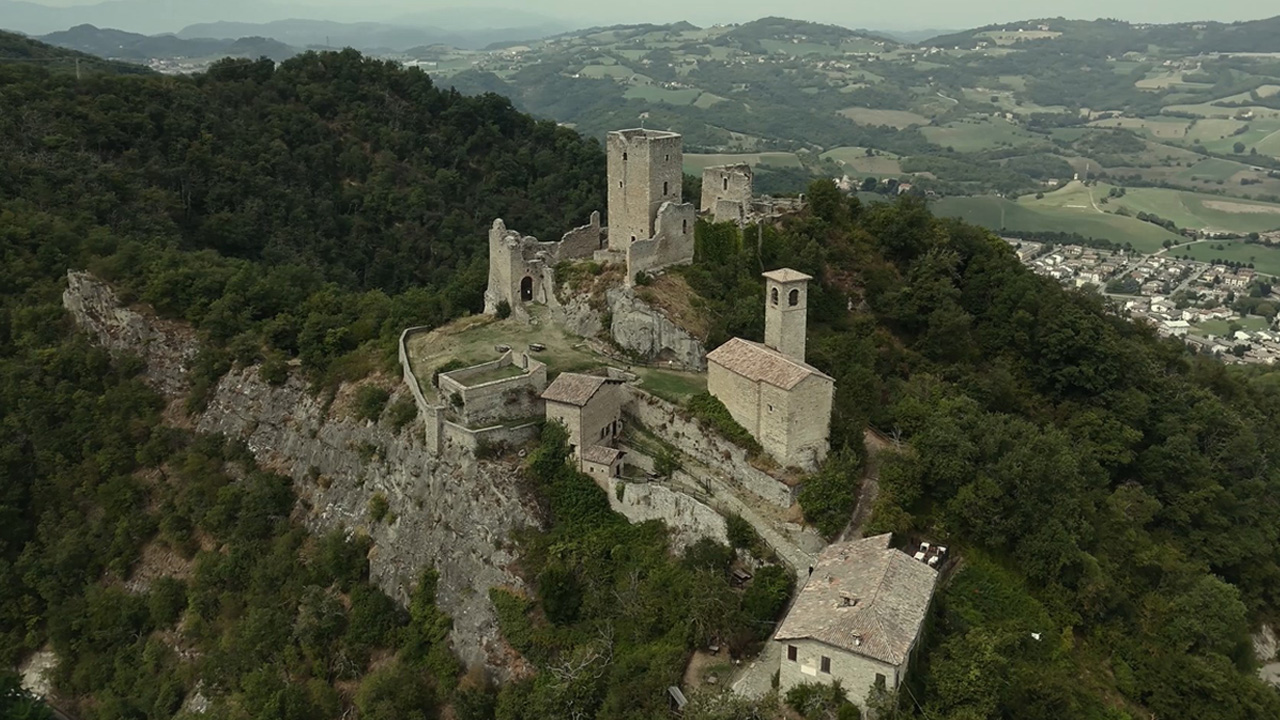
x=121, y=45
x=471, y=26
x=911, y=37
x=18, y=49
x=1115, y=37
x=362, y=36
x=778, y=28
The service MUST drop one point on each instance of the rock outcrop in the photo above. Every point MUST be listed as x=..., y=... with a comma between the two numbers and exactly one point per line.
x=639, y=328
x=447, y=511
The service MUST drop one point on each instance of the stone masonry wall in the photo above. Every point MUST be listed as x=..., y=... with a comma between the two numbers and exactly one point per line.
x=726, y=191
x=727, y=459
x=689, y=519
x=672, y=243
x=511, y=398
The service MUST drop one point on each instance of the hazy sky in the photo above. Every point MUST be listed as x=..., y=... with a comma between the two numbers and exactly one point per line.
x=890, y=15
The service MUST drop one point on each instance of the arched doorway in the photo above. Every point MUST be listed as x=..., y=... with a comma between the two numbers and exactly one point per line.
x=526, y=289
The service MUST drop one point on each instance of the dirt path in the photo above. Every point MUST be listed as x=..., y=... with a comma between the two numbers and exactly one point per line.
x=873, y=441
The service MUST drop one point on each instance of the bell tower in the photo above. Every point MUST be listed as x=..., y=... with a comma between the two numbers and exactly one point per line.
x=786, y=301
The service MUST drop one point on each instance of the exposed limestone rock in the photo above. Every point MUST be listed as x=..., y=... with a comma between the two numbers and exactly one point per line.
x=448, y=511
x=579, y=318
x=640, y=329
x=168, y=347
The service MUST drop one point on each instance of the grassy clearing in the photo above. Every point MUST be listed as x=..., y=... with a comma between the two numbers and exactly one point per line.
x=655, y=94
x=975, y=135
x=1200, y=211
x=1159, y=128
x=670, y=385
x=1062, y=211
x=856, y=159
x=893, y=118
x=706, y=100
x=1222, y=328
x=695, y=162
x=1265, y=260
x=1208, y=109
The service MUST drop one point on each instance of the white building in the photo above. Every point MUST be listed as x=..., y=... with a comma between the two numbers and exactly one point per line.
x=857, y=620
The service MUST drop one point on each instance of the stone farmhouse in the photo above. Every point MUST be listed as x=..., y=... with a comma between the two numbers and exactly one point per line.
x=590, y=407
x=857, y=620
x=769, y=389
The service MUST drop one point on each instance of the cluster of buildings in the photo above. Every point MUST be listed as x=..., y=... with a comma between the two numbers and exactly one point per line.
x=1183, y=299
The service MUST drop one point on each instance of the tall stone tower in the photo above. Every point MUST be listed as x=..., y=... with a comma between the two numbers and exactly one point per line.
x=786, y=301
x=646, y=168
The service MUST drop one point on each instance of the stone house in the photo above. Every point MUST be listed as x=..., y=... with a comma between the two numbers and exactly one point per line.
x=769, y=389
x=857, y=620
x=602, y=462
x=590, y=408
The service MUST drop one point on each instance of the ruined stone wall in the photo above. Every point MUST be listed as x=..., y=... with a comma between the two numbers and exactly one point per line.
x=726, y=192
x=725, y=458
x=689, y=519
x=581, y=242
x=510, y=398
x=513, y=258
x=671, y=245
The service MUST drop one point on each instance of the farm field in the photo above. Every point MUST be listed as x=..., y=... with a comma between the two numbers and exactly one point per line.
x=972, y=135
x=1265, y=260
x=1220, y=328
x=856, y=159
x=1033, y=215
x=1199, y=211
x=695, y=163
x=893, y=118
x=653, y=93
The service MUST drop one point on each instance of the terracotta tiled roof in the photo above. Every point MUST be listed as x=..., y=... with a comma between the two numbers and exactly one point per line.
x=864, y=597
x=787, y=275
x=600, y=454
x=573, y=388
x=762, y=364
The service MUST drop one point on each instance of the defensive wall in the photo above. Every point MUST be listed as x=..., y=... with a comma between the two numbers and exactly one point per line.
x=486, y=402
x=671, y=244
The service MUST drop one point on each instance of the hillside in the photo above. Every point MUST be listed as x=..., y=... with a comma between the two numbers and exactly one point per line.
x=260, y=533
x=120, y=45
x=16, y=49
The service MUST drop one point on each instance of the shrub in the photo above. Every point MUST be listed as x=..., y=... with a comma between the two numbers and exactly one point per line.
x=712, y=413
x=446, y=368
x=275, y=369
x=820, y=701
x=370, y=402
x=403, y=412
x=766, y=597
x=741, y=535
x=504, y=310
x=378, y=507
x=830, y=495
x=166, y=601
x=643, y=279
x=665, y=463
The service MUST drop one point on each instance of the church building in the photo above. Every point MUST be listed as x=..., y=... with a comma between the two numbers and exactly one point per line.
x=769, y=389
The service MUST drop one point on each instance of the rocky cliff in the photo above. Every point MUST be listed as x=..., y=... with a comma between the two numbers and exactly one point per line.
x=447, y=512
x=635, y=327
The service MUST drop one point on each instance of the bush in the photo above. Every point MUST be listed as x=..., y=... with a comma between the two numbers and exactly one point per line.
x=741, y=535
x=370, y=402
x=643, y=278
x=504, y=310
x=820, y=701
x=766, y=598
x=166, y=601
x=665, y=463
x=446, y=368
x=712, y=413
x=378, y=507
x=403, y=412
x=829, y=496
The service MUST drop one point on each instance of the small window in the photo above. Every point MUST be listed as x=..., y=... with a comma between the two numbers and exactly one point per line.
x=773, y=296
x=826, y=664
x=668, y=158
x=726, y=182
x=793, y=298
x=666, y=187
x=633, y=238
x=770, y=408
x=684, y=226
x=880, y=681
x=619, y=183
x=791, y=653
x=624, y=157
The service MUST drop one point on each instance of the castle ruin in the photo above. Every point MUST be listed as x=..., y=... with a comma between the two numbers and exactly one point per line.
x=522, y=269
x=727, y=196
x=649, y=222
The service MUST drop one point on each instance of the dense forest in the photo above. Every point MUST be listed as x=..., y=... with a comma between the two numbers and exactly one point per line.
x=1112, y=497
x=1110, y=492
x=310, y=210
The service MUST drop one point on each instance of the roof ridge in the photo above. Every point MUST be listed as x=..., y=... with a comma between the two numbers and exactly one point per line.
x=783, y=356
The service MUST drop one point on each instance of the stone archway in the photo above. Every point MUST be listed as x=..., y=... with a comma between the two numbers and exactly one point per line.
x=526, y=289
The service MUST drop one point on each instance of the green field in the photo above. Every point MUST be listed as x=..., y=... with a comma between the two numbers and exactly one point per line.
x=1221, y=328
x=695, y=162
x=653, y=93
x=857, y=160
x=974, y=135
x=1068, y=210
x=893, y=118
x=1197, y=210
x=1265, y=260
x=616, y=72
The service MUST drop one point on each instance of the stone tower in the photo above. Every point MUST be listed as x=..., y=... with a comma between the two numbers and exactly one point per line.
x=726, y=192
x=785, y=303
x=646, y=168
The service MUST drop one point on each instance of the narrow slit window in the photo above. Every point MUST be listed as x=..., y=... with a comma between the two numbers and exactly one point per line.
x=826, y=664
